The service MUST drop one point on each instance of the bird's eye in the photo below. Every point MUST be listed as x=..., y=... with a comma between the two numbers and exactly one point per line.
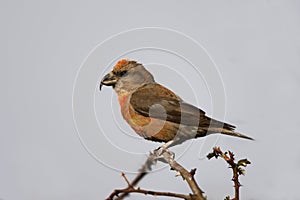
x=123, y=73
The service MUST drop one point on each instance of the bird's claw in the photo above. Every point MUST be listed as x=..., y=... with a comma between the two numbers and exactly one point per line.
x=164, y=154
x=159, y=151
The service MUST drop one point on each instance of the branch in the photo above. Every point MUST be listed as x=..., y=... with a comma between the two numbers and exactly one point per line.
x=236, y=167
x=146, y=192
x=168, y=157
x=187, y=176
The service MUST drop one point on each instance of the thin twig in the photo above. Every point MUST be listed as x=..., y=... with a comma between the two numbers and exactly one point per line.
x=236, y=167
x=125, y=178
x=147, y=192
x=143, y=171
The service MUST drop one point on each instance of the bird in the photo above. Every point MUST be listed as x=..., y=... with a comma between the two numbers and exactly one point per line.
x=155, y=112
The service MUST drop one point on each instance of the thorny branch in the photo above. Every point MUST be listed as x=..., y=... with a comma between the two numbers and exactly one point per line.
x=237, y=169
x=167, y=157
x=186, y=175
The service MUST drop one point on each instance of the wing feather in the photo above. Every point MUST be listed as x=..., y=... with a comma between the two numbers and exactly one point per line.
x=176, y=110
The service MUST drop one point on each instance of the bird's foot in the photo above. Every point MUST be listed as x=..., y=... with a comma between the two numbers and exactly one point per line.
x=163, y=154
x=159, y=151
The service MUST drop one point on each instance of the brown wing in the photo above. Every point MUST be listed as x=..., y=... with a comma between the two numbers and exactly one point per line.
x=146, y=99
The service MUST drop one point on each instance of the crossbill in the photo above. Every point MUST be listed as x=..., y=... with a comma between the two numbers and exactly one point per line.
x=155, y=112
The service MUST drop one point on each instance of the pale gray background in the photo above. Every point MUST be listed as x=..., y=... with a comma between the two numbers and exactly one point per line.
x=255, y=44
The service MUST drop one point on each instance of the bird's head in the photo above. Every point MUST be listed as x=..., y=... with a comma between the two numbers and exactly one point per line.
x=126, y=76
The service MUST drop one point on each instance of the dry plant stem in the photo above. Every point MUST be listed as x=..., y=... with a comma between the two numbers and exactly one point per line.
x=235, y=178
x=234, y=166
x=237, y=184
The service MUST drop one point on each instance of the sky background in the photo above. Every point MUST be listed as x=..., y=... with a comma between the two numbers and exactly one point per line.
x=244, y=67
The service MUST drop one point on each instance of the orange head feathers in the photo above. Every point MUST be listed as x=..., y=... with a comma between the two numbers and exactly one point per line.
x=124, y=64
x=120, y=64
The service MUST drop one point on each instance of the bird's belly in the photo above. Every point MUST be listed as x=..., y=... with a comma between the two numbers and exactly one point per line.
x=166, y=132
x=156, y=130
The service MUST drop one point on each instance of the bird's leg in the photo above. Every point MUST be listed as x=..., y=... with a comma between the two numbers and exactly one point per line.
x=160, y=150
x=163, y=148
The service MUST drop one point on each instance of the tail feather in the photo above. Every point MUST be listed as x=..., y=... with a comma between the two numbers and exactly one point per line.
x=216, y=126
x=236, y=134
x=212, y=130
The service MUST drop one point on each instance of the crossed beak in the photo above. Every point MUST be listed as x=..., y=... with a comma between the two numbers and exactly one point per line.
x=109, y=80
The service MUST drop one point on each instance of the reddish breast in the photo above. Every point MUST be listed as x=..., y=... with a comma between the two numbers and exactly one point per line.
x=122, y=99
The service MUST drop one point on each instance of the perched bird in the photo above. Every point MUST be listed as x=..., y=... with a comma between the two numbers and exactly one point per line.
x=155, y=112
